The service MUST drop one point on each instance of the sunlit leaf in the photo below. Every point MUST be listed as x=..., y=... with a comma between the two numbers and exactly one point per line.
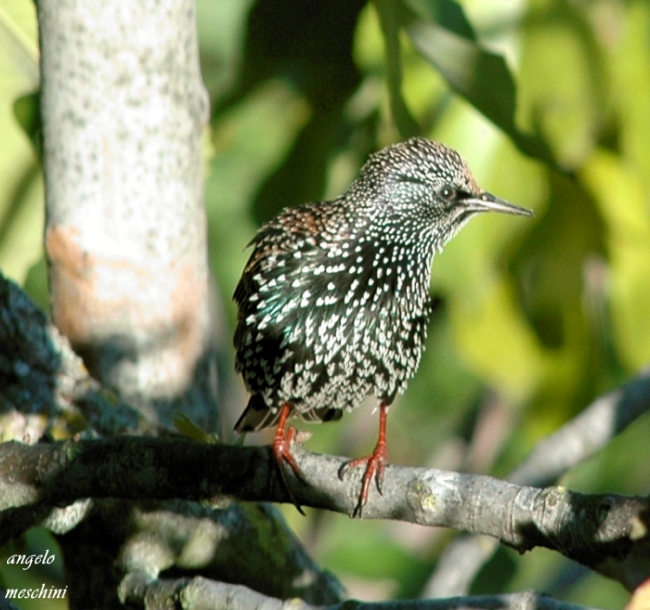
x=563, y=94
x=480, y=76
x=622, y=199
x=388, y=17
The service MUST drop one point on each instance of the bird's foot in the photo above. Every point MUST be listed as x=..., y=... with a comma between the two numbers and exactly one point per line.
x=375, y=464
x=282, y=451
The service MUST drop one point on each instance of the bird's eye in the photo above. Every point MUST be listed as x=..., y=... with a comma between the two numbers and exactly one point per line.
x=448, y=193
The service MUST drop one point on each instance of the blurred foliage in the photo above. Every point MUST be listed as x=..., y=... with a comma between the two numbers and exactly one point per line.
x=548, y=101
x=21, y=184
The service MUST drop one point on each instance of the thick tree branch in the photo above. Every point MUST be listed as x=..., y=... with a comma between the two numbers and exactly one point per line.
x=44, y=387
x=248, y=544
x=199, y=593
x=604, y=532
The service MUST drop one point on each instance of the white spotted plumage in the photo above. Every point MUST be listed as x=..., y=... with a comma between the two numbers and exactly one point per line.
x=334, y=301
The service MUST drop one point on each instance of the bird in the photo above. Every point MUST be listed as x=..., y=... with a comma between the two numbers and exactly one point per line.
x=333, y=303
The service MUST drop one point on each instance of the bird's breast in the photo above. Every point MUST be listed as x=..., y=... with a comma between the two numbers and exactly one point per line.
x=327, y=322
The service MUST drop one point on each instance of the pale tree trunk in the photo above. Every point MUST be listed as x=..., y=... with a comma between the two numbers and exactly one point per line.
x=124, y=108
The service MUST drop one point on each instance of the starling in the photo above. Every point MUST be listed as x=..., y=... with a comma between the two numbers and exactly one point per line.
x=334, y=302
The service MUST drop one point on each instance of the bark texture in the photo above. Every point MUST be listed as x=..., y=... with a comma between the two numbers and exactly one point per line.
x=124, y=108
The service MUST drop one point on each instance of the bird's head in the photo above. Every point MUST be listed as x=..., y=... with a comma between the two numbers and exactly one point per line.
x=424, y=188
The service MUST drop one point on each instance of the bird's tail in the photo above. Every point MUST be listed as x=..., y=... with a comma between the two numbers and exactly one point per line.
x=258, y=416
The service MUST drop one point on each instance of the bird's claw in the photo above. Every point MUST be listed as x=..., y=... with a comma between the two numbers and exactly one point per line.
x=375, y=464
x=282, y=452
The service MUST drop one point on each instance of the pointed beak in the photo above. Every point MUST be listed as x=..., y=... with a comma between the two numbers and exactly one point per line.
x=486, y=202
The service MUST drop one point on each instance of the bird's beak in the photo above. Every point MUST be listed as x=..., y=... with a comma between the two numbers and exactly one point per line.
x=487, y=202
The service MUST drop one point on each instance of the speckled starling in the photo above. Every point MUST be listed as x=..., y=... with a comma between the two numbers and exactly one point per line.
x=334, y=301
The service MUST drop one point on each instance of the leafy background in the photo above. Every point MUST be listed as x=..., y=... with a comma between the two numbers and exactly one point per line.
x=549, y=101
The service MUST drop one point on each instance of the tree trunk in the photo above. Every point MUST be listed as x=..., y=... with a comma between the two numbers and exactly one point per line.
x=124, y=109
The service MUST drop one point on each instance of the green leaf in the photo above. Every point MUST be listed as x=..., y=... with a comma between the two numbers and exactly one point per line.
x=189, y=429
x=388, y=18
x=27, y=110
x=478, y=75
x=445, y=13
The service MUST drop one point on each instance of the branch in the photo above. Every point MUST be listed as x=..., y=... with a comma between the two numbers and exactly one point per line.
x=199, y=593
x=608, y=533
x=44, y=385
x=586, y=434
x=248, y=544
x=578, y=440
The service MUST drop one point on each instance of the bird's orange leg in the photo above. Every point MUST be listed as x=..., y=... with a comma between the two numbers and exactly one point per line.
x=282, y=451
x=374, y=463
